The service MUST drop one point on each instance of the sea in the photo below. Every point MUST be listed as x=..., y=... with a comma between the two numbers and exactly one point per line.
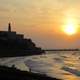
x=64, y=65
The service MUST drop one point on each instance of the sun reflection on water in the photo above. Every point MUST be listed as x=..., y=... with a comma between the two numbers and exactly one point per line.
x=50, y=64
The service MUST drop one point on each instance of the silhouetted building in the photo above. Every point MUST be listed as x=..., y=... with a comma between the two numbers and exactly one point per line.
x=13, y=44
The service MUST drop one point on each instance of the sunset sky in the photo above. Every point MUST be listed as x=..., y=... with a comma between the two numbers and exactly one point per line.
x=43, y=21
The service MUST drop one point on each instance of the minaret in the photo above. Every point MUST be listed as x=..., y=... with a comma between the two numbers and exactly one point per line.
x=9, y=27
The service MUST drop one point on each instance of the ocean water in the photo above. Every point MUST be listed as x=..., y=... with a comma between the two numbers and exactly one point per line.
x=60, y=64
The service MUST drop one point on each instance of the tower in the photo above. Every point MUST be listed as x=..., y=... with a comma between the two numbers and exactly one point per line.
x=9, y=27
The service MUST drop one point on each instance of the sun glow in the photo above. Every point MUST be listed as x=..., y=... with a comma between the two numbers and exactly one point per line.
x=70, y=27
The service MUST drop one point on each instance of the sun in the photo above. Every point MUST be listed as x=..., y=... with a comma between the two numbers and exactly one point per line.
x=70, y=27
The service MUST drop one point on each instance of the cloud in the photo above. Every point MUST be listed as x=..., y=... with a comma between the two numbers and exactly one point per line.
x=38, y=16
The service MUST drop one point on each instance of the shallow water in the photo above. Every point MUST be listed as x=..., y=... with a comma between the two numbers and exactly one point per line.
x=64, y=65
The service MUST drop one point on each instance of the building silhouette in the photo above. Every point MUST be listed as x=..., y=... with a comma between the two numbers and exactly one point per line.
x=13, y=44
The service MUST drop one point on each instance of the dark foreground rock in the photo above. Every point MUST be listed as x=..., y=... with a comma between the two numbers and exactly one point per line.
x=7, y=73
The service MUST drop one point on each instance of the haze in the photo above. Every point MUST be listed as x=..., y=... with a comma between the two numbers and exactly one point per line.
x=42, y=20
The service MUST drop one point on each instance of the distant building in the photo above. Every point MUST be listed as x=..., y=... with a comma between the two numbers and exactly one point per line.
x=10, y=34
x=16, y=45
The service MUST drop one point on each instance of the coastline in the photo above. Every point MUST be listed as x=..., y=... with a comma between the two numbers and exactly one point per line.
x=12, y=73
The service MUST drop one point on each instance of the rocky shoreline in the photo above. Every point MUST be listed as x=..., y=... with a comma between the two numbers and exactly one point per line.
x=12, y=73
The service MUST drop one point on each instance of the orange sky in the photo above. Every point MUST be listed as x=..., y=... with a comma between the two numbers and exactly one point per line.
x=42, y=20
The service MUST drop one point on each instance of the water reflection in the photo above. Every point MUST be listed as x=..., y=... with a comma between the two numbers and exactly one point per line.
x=71, y=77
x=50, y=64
